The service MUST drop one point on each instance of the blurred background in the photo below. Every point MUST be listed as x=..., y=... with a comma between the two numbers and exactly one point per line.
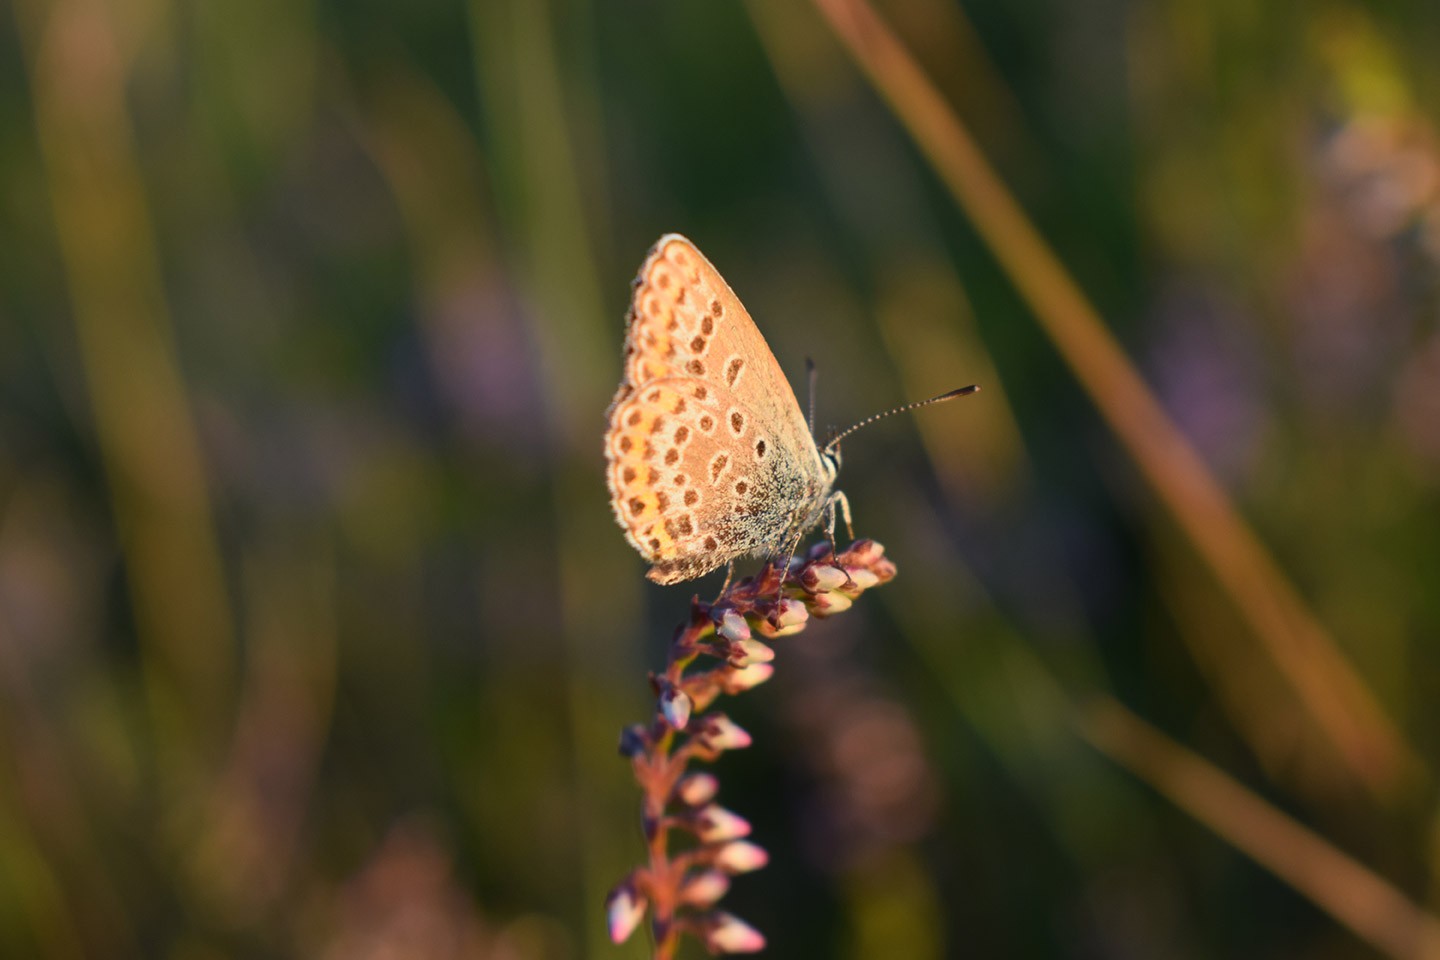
x=316, y=632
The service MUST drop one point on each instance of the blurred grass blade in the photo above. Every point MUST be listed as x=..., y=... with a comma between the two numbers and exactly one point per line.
x=1334, y=695
x=142, y=417
x=522, y=74
x=1348, y=891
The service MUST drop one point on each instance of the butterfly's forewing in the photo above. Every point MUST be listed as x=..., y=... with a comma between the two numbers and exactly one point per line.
x=709, y=455
x=685, y=321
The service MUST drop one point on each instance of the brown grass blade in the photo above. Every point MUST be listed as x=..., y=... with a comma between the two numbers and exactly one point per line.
x=1348, y=891
x=1337, y=699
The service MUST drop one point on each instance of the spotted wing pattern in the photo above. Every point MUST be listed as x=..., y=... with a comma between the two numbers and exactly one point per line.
x=709, y=457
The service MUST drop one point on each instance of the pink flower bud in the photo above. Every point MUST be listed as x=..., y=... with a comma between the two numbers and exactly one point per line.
x=755, y=652
x=862, y=579
x=715, y=823
x=726, y=933
x=722, y=733
x=740, y=856
x=697, y=789
x=624, y=909
x=704, y=889
x=633, y=741
x=675, y=706
x=785, y=617
x=790, y=612
x=733, y=627
x=819, y=551
x=828, y=604
x=864, y=553
x=819, y=578
x=738, y=681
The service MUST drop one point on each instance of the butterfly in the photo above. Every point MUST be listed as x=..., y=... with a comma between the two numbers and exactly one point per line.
x=708, y=457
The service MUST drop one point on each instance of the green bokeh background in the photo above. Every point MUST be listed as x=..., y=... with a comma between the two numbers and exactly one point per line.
x=316, y=633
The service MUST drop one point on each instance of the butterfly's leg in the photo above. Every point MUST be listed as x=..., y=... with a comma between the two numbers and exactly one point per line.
x=729, y=575
x=838, y=497
x=830, y=526
x=790, y=555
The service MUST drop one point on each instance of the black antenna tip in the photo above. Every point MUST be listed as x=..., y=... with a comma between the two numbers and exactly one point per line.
x=963, y=391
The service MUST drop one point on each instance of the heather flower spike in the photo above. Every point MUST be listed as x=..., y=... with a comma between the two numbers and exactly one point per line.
x=714, y=653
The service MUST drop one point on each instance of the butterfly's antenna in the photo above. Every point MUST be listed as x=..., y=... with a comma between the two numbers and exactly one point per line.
x=811, y=375
x=962, y=392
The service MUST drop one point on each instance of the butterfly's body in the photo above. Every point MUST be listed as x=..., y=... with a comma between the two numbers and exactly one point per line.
x=709, y=457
